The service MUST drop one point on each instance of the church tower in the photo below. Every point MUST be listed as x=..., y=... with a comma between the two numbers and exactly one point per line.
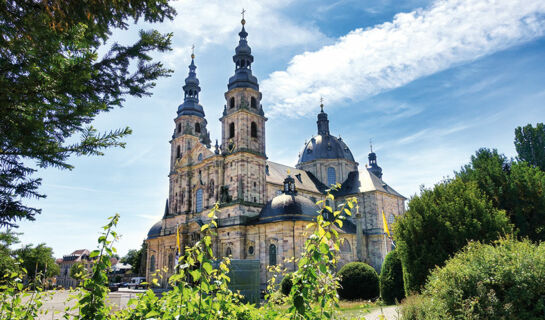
x=243, y=130
x=190, y=130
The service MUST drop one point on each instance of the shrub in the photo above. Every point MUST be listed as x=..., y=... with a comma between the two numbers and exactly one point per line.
x=391, y=279
x=358, y=281
x=500, y=281
x=286, y=284
x=441, y=221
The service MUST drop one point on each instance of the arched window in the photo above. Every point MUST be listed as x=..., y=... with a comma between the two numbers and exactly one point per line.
x=197, y=127
x=232, y=102
x=198, y=201
x=272, y=255
x=179, y=127
x=345, y=246
x=231, y=130
x=331, y=176
x=152, y=264
x=171, y=261
x=199, y=157
x=253, y=102
x=253, y=129
x=228, y=252
x=178, y=152
x=391, y=219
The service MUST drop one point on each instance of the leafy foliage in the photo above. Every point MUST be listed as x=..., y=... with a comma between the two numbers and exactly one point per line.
x=441, y=221
x=53, y=84
x=391, y=279
x=286, y=284
x=78, y=271
x=38, y=259
x=8, y=263
x=516, y=187
x=503, y=280
x=358, y=281
x=530, y=144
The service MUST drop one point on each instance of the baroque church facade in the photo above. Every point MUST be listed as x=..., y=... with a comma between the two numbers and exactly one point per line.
x=264, y=206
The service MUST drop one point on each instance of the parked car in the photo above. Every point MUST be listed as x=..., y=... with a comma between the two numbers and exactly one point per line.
x=136, y=283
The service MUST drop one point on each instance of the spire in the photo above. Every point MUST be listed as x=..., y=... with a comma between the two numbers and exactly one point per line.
x=243, y=60
x=373, y=166
x=323, y=123
x=191, y=88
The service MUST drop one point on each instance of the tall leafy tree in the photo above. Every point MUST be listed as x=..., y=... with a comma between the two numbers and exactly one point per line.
x=530, y=144
x=441, y=221
x=7, y=259
x=53, y=84
x=516, y=187
x=137, y=259
x=38, y=259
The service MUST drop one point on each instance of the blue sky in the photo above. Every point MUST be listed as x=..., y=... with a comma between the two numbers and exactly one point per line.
x=429, y=81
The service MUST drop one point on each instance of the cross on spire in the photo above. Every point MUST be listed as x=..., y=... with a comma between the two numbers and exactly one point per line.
x=371, y=144
x=322, y=103
x=193, y=51
x=242, y=12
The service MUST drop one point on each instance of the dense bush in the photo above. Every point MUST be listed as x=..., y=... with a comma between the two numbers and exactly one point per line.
x=441, y=221
x=500, y=281
x=286, y=284
x=358, y=281
x=391, y=279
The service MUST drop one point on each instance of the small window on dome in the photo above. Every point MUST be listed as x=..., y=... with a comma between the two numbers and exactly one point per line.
x=253, y=103
x=179, y=127
x=200, y=157
x=197, y=127
x=232, y=102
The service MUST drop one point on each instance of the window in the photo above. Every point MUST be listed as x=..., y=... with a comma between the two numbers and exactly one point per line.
x=272, y=255
x=198, y=201
x=152, y=264
x=391, y=219
x=199, y=157
x=178, y=152
x=228, y=252
x=179, y=127
x=253, y=130
x=345, y=246
x=197, y=127
x=251, y=250
x=331, y=176
x=171, y=261
x=231, y=130
x=253, y=103
x=232, y=102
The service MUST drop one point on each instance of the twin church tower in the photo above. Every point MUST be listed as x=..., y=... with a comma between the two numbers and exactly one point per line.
x=264, y=206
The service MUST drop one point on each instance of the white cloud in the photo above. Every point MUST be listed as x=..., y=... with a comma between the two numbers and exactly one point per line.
x=217, y=22
x=366, y=62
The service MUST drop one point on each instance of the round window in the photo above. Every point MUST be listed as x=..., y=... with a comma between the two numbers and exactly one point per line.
x=251, y=250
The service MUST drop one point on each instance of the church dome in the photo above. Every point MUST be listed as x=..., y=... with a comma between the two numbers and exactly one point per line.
x=155, y=231
x=325, y=147
x=289, y=206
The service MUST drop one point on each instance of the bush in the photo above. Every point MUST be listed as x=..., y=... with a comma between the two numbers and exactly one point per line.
x=441, y=221
x=358, y=281
x=391, y=279
x=500, y=281
x=286, y=284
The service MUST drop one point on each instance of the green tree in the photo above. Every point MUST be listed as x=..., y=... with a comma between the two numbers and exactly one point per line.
x=391, y=279
x=53, y=84
x=530, y=144
x=516, y=187
x=137, y=259
x=439, y=222
x=7, y=260
x=38, y=259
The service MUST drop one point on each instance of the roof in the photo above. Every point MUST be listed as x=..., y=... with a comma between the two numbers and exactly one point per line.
x=364, y=181
x=325, y=146
x=303, y=180
x=155, y=230
x=288, y=207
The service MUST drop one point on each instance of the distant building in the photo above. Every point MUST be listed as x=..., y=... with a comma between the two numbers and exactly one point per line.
x=265, y=206
x=79, y=256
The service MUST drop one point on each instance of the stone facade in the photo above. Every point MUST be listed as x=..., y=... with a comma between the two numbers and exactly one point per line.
x=236, y=174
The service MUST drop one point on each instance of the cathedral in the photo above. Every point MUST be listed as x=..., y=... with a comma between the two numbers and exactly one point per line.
x=264, y=206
